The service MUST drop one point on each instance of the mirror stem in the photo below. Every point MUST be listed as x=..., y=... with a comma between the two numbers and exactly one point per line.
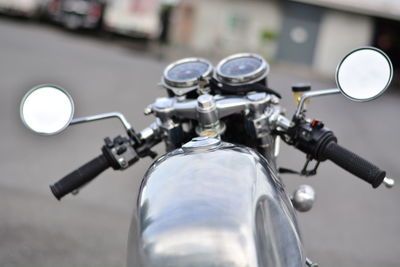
x=311, y=94
x=103, y=116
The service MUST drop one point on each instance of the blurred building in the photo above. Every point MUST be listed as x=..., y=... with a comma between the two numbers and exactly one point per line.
x=315, y=33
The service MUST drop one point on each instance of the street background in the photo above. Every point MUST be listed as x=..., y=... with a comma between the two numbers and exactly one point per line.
x=350, y=225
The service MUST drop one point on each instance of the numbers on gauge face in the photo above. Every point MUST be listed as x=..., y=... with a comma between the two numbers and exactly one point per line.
x=182, y=76
x=240, y=66
x=187, y=71
x=241, y=69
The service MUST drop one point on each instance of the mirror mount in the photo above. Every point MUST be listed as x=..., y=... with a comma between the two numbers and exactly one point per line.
x=103, y=116
x=48, y=110
x=301, y=106
x=362, y=75
x=128, y=127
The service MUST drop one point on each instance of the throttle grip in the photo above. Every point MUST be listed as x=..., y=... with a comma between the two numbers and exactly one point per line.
x=80, y=176
x=353, y=164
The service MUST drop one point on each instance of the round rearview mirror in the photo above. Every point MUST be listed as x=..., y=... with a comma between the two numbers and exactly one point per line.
x=46, y=109
x=364, y=74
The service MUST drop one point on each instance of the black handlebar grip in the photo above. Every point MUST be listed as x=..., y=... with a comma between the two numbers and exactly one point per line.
x=354, y=164
x=80, y=176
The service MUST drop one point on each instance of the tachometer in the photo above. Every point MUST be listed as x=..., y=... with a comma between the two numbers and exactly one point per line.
x=240, y=69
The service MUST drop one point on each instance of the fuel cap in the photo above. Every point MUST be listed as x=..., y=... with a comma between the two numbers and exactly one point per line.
x=201, y=143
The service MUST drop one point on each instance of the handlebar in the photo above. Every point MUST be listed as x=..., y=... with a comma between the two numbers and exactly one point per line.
x=119, y=153
x=320, y=143
x=354, y=164
x=80, y=176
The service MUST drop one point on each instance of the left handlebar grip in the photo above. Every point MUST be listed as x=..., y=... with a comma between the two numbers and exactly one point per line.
x=80, y=176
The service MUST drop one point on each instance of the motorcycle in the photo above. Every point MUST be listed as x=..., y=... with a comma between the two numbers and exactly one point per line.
x=216, y=197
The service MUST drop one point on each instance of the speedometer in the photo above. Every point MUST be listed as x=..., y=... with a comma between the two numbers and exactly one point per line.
x=183, y=75
x=240, y=69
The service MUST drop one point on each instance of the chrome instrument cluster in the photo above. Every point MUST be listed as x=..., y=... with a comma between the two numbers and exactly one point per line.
x=240, y=69
x=182, y=76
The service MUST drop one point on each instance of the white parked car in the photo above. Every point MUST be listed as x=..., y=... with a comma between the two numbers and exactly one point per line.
x=26, y=8
x=137, y=18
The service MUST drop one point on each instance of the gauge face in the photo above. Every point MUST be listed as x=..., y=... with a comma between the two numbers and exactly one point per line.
x=240, y=66
x=241, y=69
x=187, y=71
x=182, y=76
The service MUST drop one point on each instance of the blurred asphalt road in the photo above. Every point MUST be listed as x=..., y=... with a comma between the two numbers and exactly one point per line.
x=350, y=225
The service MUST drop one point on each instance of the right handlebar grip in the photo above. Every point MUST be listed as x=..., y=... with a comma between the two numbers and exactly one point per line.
x=80, y=176
x=354, y=164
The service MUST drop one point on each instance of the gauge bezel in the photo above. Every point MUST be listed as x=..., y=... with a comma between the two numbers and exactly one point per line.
x=255, y=76
x=183, y=87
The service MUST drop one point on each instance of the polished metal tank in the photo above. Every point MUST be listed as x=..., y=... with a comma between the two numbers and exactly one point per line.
x=212, y=204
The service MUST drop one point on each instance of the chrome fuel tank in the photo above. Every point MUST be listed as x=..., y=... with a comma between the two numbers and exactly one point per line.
x=212, y=204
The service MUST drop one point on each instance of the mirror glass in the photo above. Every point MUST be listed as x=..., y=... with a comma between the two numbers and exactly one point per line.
x=364, y=74
x=47, y=109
